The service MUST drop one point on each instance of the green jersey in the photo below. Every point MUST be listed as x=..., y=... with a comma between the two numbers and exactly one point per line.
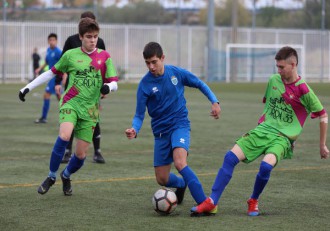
x=87, y=73
x=287, y=107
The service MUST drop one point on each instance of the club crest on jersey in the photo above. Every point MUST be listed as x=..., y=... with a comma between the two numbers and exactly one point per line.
x=154, y=89
x=174, y=80
x=291, y=95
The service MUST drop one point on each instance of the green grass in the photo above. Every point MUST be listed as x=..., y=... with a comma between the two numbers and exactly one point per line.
x=117, y=195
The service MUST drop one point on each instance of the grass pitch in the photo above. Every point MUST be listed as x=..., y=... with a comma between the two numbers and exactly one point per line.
x=117, y=195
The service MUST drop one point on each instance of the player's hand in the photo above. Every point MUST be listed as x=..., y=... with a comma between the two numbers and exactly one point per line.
x=37, y=71
x=58, y=89
x=215, y=111
x=22, y=93
x=324, y=151
x=130, y=133
x=105, y=89
x=293, y=145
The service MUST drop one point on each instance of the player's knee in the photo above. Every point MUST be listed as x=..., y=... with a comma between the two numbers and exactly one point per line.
x=80, y=155
x=231, y=159
x=180, y=164
x=265, y=170
x=162, y=180
x=65, y=137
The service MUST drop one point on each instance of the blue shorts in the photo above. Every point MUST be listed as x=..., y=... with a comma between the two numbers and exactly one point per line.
x=165, y=143
x=50, y=88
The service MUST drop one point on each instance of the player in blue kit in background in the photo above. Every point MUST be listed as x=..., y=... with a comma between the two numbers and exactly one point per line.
x=161, y=91
x=52, y=56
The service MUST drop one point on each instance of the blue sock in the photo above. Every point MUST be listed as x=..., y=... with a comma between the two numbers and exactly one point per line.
x=224, y=175
x=74, y=165
x=52, y=175
x=45, y=108
x=175, y=182
x=261, y=179
x=57, y=155
x=193, y=184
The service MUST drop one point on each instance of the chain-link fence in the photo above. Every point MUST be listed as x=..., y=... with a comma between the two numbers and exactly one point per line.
x=184, y=46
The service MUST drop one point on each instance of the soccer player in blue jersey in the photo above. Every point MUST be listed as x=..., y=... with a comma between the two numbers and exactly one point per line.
x=161, y=91
x=52, y=56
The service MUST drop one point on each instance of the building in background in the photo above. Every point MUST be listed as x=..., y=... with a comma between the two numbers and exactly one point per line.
x=167, y=4
x=286, y=4
x=191, y=4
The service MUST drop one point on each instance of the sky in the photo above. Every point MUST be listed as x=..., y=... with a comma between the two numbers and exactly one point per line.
x=286, y=4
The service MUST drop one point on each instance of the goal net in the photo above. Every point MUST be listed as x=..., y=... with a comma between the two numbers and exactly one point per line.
x=256, y=62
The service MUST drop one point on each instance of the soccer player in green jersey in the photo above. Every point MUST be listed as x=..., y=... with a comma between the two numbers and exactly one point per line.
x=288, y=102
x=92, y=73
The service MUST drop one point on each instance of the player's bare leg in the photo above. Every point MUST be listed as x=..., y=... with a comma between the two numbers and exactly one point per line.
x=66, y=129
x=75, y=163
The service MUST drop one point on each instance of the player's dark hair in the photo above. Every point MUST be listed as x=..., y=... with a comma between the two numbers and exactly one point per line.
x=152, y=49
x=52, y=35
x=88, y=14
x=88, y=25
x=285, y=53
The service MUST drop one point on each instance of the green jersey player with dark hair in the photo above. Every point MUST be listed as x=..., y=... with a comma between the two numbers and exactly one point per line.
x=92, y=73
x=288, y=102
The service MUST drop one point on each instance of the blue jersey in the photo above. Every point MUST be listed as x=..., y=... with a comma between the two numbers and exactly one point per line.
x=52, y=56
x=163, y=96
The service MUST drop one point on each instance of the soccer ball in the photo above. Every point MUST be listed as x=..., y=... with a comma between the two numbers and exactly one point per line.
x=164, y=201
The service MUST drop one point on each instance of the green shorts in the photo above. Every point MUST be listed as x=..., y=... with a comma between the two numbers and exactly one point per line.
x=83, y=129
x=256, y=143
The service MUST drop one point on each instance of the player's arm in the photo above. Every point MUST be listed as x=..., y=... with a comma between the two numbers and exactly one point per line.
x=324, y=151
x=141, y=102
x=215, y=110
x=59, y=81
x=43, y=78
x=41, y=68
x=110, y=82
x=317, y=111
x=191, y=80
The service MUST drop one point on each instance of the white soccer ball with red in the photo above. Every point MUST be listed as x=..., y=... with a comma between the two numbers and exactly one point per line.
x=164, y=201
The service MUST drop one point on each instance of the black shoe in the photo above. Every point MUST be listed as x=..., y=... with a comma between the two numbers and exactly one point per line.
x=67, y=156
x=67, y=190
x=45, y=186
x=40, y=121
x=180, y=194
x=98, y=158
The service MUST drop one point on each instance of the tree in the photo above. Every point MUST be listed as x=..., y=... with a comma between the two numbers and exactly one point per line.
x=309, y=17
x=68, y=3
x=139, y=12
x=223, y=15
x=313, y=13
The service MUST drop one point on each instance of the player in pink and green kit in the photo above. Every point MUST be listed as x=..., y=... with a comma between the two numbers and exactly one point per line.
x=288, y=102
x=92, y=73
